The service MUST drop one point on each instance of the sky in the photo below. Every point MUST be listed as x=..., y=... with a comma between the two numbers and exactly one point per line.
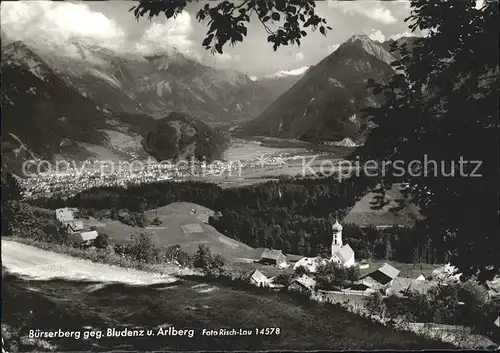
x=110, y=24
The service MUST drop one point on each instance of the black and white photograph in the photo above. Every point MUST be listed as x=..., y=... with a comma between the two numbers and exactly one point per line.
x=250, y=175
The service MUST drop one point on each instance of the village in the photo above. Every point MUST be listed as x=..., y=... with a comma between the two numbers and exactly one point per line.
x=302, y=272
x=338, y=279
x=385, y=279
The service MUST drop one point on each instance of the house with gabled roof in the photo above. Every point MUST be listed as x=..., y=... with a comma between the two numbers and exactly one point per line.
x=403, y=286
x=303, y=284
x=83, y=238
x=273, y=257
x=258, y=279
x=64, y=215
x=382, y=276
x=74, y=226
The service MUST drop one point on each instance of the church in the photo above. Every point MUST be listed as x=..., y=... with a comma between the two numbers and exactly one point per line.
x=341, y=254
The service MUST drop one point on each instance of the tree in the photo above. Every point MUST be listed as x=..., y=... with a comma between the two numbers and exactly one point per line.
x=441, y=109
x=301, y=270
x=142, y=249
x=375, y=304
x=283, y=279
x=353, y=273
x=283, y=20
x=330, y=274
x=207, y=262
x=101, y=241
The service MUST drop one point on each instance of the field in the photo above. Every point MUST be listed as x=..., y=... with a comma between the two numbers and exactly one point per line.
x=363, y=215
x=81, y=306
x=178, y=226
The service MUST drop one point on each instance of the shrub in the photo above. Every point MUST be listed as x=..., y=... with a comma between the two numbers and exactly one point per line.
x=283, y=279
x=156, y=221
x=301, y=270
x=207, y=262
x=174, y=253
x=142, y=249
x=101, y=241
x=375, y=304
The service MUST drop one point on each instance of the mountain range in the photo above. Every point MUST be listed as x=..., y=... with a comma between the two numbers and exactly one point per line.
x=84, y=101
x=326, y=103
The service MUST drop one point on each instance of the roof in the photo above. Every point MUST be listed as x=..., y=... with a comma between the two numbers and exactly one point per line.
x=75, y=225
x=389, y=271
x=64, y=214
x=345, y=252
x=305, y=281
x=258, y=276
x=309, y=263
x=271, y=254
x=400, y=285
x=383, y=275
x=337, y=227
x=86, y=236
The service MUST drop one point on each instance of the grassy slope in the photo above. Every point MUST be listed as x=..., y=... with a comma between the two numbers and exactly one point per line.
x=170, y=233
x=362, y=213
x=72, y=305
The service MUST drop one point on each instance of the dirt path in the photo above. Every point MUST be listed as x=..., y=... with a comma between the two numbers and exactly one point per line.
x=40, y=264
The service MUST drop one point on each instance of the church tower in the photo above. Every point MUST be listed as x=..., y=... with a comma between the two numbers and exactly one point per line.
x=337, y=237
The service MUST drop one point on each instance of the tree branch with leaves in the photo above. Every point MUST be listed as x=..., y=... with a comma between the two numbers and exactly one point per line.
x=284, y=20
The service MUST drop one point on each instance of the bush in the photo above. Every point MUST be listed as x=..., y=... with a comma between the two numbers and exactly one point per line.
x=283, y=279
x=301, y=270
x=330, y=275
x=156, y=221
x=142, y=249
x=102, y=241
x=375, y=304
x=174, y=253
x=207, y=262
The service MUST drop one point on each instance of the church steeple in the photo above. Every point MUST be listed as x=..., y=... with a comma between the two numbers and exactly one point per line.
x=337, y=236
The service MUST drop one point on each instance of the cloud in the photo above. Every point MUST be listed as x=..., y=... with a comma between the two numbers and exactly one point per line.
x=374, y=10
x=55, y=23
x=403, y=34
x=299, y=56
x=165, y=34
x=377, y=35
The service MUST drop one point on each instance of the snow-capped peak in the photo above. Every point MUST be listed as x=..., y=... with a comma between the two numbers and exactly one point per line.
x=371, y=47
x=284, y=73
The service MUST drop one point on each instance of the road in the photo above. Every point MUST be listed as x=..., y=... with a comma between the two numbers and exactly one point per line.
x=39, y=264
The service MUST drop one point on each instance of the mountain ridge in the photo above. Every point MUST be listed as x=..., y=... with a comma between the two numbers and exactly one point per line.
x=326, y=103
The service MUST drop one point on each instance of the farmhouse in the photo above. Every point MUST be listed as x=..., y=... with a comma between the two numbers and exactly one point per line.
x=273, y=257
x=303, y=284
x=403, y=286
x=309, y=263
x=74, y=227
x=383, y=276
x=258, y=279
x=64, y=215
